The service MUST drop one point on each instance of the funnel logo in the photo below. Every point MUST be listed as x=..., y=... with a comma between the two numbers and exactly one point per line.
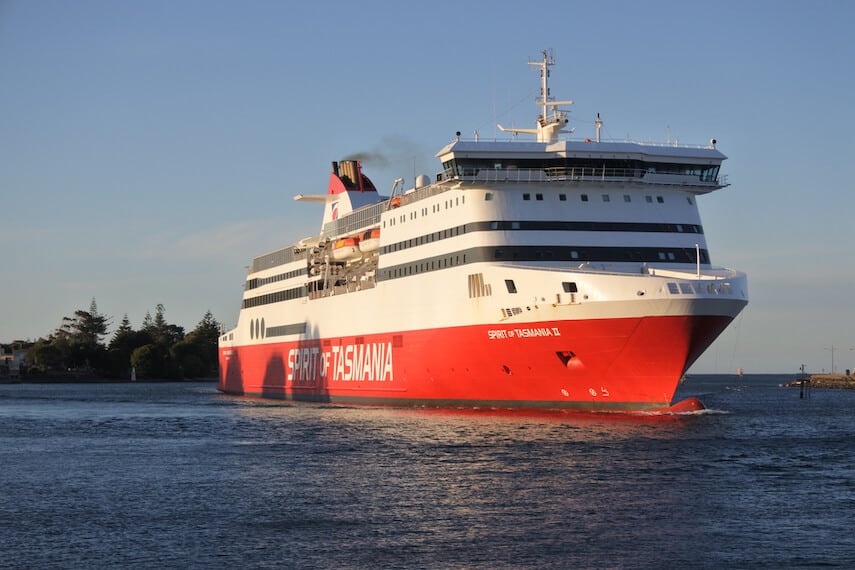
x=334, y=210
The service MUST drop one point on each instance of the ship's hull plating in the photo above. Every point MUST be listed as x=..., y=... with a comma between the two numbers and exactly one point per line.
x=632, y=363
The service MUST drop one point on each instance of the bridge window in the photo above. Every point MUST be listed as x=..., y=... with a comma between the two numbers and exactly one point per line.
x=569, y=286
x=512, y=288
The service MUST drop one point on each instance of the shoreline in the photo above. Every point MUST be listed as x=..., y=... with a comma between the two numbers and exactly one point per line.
x=70, y=379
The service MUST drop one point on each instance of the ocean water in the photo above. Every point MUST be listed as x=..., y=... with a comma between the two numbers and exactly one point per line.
x=179, y=476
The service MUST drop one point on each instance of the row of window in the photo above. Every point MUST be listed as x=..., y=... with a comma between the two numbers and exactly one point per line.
x=567, y=286
x=262, y=281
x=509, y=253
x=256, y=328
x=279, y=257
x=605, y=197
x=538, y=196
x=435, y=209
x=578, y=166
x=575, y=254
x=688, y=288
x=505, y=225
x=284, y=330
x=276, y=297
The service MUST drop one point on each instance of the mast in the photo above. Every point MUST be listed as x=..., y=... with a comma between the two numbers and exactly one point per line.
x=544, y=65
x=547, y=127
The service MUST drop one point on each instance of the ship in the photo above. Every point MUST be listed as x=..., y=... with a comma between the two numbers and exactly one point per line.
x=552, y=272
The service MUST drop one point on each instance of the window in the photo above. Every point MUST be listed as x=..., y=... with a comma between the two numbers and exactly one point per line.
x=584, y=197
x=689, y=198
x=627, y=198
x=672, y=288
x=538, y=196
x=569, y=286
x=562, y=197
x=488, y=196
x=606, y=198
x=526, y=196
x=509, y=283
x=648, y=199
x=660, y=199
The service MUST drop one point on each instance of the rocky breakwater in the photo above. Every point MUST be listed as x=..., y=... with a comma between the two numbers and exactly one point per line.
x=839, y=381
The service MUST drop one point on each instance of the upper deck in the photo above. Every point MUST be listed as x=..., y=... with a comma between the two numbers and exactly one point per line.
x=697, y=167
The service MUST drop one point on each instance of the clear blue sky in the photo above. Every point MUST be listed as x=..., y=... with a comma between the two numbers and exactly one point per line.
x=148, y=150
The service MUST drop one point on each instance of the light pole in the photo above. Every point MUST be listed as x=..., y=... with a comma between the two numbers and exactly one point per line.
x=832, y=349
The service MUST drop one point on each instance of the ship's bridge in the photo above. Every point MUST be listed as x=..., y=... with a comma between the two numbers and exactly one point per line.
x=697, y=167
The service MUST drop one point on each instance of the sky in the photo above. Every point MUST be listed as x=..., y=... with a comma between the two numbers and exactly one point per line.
x=149, y=150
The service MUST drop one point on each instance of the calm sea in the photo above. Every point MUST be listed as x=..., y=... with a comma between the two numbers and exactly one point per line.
x=178, y=476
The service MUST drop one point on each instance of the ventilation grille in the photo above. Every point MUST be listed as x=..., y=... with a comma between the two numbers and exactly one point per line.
x=477, y=287
x=508, y=313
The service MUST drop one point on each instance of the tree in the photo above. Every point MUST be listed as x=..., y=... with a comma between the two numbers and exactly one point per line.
x=156, y=359
x=158, y=350
x=77, y=343
x=163, y=333
x=84, y=332
x=149, y=360
x=125, y=340
x=44, y=355
x=197, y=353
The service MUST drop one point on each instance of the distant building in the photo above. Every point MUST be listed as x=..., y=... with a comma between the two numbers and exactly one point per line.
x=12, y=358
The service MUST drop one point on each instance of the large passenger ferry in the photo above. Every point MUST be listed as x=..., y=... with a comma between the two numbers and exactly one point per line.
x=557, y=272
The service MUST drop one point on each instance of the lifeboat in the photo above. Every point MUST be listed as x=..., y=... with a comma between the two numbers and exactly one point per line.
x=346, y=249
x=370, y=241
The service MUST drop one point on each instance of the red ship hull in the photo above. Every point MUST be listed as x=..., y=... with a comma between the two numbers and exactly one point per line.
x=607, y=364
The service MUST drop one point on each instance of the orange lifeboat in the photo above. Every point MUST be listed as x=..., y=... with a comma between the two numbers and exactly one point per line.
x=346, y=249
x=370, y=240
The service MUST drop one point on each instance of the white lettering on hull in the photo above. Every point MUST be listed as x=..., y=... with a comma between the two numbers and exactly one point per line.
x=370, y=362
x=531, y=332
